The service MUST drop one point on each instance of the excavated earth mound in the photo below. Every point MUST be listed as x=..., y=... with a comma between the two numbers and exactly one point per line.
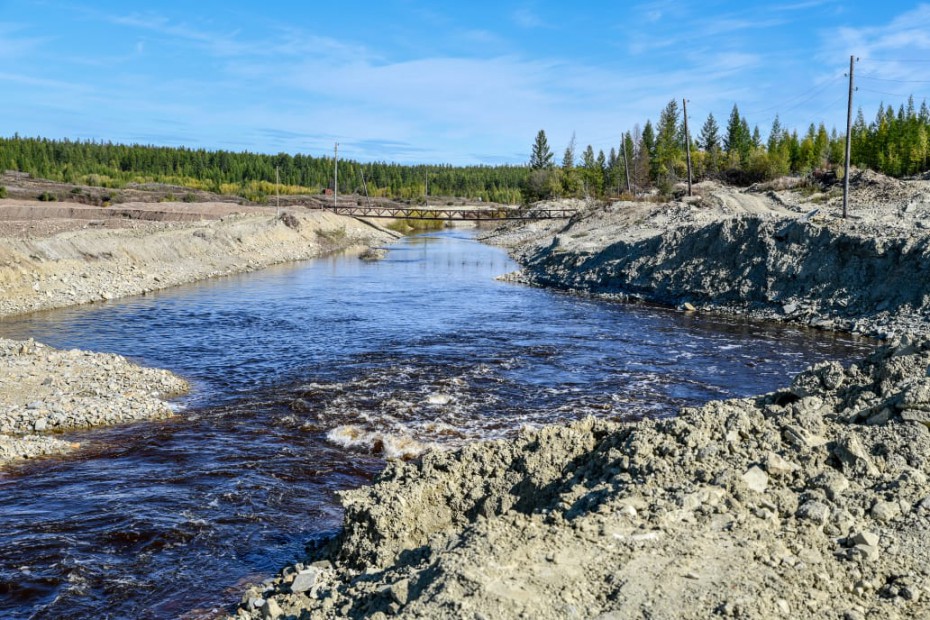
x=812, y=501
x=771, y=255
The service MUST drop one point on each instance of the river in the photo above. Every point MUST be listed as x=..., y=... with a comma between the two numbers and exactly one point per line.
x=305, y=378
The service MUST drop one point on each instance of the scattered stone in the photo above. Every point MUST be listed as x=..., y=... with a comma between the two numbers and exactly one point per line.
x=832, y=482
x=756, y=479
x=864, y=538
x=271, y=610
x=400, y=591
x=305, y=579
x=853, y=457
x=775, y=465
x=814, y=511
x=884, y=512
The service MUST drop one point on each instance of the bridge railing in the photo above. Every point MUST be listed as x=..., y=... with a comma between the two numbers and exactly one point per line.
x=452, y=214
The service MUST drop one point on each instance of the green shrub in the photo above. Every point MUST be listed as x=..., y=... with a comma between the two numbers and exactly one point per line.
x=76, y=190
x=189, y=197
x=2, y=191
x=47, y=197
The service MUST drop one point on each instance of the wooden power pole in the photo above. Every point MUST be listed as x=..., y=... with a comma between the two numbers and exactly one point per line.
x=336, y=175
x=684, y=107
x=852, y=62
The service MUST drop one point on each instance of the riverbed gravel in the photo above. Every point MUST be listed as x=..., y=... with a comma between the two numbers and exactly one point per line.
x=47, y=391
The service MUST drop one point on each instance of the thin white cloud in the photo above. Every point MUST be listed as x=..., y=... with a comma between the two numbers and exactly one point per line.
x=14, y=44
x=526, y=18
x=906, y=34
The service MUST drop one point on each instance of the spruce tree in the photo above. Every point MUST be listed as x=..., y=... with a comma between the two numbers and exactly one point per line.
x=541, y=157
x=568, y=159
x=709, y=142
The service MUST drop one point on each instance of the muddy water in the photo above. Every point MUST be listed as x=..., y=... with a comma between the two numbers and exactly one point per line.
x=306, y=378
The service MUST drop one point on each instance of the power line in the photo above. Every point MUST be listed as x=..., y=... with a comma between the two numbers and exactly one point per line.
x=881, y=92
x=902, y=60
x=872, y=77
x=800, y=99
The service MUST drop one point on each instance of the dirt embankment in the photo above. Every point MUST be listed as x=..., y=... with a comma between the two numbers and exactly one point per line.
x=811, y=502
x=782, y=255
x=51, y=269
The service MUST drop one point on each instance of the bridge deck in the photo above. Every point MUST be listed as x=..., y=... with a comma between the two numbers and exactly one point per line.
x=475, y=214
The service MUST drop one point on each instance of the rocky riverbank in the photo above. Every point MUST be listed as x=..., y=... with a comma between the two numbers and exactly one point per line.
x=85, y=265
x=772, y=252
x=46, y=391
x=812, y=501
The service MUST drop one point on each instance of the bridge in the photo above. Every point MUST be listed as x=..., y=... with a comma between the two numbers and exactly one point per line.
x=470, y=214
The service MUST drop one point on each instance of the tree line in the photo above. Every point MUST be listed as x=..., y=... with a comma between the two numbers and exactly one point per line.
x=251, y=175
x=646, y=158
x=896, y=143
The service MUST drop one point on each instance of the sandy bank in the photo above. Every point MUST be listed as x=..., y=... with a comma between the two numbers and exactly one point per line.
x=43, y=271
x=770, y=253
x=812, y=502
x=46, y=391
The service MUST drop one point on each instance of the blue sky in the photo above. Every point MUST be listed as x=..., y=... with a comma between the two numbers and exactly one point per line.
x=458, y=82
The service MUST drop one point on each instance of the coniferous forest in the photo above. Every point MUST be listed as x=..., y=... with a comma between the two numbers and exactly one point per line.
x=896, y=143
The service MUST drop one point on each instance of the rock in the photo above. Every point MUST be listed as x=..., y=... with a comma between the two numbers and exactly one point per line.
x=882, y=417
x=832, y=482
x=801, y=439
x=271, y=610
x=866, y=551
x=814, y=511
x=864, y=537
x=853, y=457
x=884, y=512
x=687, y=307
x=305, y=579
x=373, y=254
x=775, y=465
x=916, y=415
x=400, y=591
x=40, y=425
x=756, y=479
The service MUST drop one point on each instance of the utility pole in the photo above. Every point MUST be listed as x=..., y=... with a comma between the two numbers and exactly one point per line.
x=336, y=175
x=684, y=107
x=852, y=61
x=626, y=164
x=277, y=191
x=427, y=187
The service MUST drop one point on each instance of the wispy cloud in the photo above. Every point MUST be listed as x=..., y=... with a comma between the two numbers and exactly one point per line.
x=907, y=34
x=527, y=18
x=14, y=43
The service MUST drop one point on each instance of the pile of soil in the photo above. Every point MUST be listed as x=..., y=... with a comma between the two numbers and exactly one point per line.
x=812, y=501
x=772, y=255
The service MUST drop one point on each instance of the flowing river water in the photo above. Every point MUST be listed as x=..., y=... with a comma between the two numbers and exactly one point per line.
x=305, y=378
